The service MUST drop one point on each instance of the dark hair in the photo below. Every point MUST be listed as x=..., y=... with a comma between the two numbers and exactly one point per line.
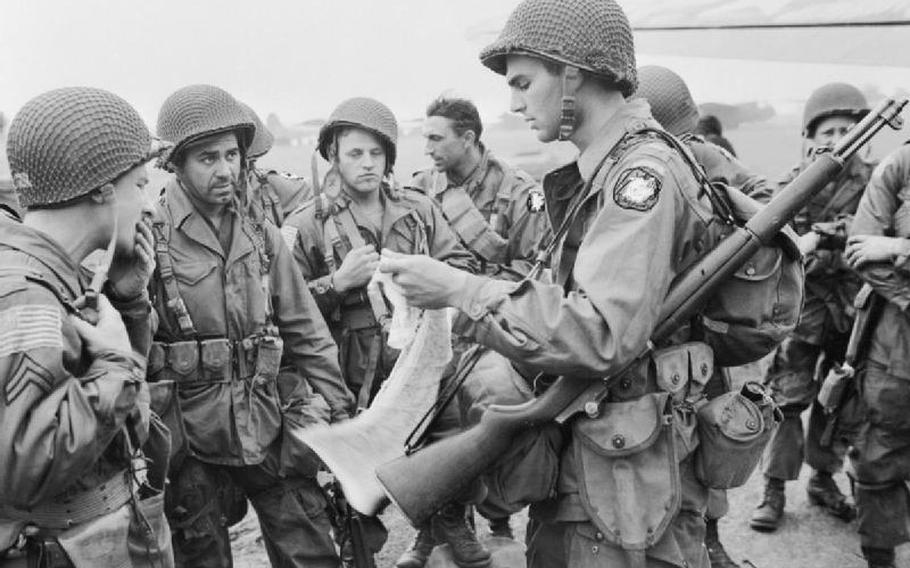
x=709, y=124
x=461, y=112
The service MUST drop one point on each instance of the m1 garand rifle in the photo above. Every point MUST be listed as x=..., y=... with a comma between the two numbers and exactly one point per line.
x=422, y=482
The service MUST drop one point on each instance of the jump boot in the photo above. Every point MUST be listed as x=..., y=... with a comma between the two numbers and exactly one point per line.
x=418, y=553
x=716, y=553
x=879, y=557
x=451, y=525
x=823, y=491
x=770, y=511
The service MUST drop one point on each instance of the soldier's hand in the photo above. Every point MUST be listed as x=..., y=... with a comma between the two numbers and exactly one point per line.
x=128, y=278
x=108, y=335
x=356, y=269
x=809, y=242
x=424, y=281
x=863, y=249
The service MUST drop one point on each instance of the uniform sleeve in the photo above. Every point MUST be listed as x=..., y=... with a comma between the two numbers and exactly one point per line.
x=622, y=274
x=526, y=228
x=306, y=244
x=444, y=245
x=308, y=345
x=875, y=216
x=54, y=424
x=139, y=319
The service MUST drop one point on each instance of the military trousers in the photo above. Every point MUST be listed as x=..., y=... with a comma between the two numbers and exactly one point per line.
x=881, y=459
x=205, y=499
x=794, y=377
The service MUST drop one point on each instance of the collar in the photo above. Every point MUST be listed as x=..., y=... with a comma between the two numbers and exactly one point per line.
x=192, y=223
x=630, y=117
x=44, y=250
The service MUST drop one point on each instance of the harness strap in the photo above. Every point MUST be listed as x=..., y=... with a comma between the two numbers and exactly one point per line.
x=172, y=298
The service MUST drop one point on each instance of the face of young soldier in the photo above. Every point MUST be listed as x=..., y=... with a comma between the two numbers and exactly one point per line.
x=131, y=203
x=446, y=148
x=211, y=169
x=536, y=95
x=829, y=131
x=361, y=160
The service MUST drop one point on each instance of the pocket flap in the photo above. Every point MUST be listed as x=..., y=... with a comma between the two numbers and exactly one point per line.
x=701, y=357
x=183, y=357
x=625, y=427
x=191, y=273
x=737, y=417
x=762, y=265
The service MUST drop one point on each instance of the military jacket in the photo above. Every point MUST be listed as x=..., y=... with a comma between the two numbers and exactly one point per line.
x=885, y=210
x=830, y=284
x=275, y=195
x=232, y=420
x=503, y=196
x=411, y=224
x=642, y=226
x=61, y=411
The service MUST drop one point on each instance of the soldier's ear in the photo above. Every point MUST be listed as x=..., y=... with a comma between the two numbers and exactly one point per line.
x=103, y=194
x=470, y=137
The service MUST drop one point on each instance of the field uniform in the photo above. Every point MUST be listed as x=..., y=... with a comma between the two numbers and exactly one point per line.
x=881, y=459
x=69, y=420
x=250, y=354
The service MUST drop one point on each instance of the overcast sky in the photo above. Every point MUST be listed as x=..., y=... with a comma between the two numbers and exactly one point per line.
x=299, y=58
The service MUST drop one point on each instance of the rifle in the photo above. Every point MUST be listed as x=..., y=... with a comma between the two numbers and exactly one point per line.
x=421, y=483
x=358, y=536
x=836, y=389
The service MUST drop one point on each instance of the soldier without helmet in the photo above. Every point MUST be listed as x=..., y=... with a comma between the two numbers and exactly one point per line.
x=245, y=345
x=75, y=405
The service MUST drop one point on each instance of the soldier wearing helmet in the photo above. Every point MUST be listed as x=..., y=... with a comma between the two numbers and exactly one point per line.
x=627, y=216
x=72, y=355
x=878, y=247
x=826, y=319
x=336, y=240
x=244, y=343
x=273, y=195
x=673, y=107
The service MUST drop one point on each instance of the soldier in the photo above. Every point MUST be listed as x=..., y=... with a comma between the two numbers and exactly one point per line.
x=335, y=240
x=272, y=195
x=75, y=404
x=623, y=212
x=245, y=343
x=710, y=127
x=824, y=326
x=878, y=247
x=497, y=213
x=673, y=107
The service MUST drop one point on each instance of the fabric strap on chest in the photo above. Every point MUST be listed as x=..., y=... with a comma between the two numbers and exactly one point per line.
x=172, y=298
x=469, y=224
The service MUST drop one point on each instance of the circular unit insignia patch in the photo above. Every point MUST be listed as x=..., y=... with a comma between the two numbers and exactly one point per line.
x=637, y=188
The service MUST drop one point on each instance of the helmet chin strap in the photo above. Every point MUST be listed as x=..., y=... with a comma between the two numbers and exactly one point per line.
x=570, y=77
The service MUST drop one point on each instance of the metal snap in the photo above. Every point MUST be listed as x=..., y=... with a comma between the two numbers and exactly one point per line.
x=619, y=441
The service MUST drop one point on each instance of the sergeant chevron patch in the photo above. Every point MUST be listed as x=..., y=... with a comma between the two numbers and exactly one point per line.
x=637, y=188
x=27, y=371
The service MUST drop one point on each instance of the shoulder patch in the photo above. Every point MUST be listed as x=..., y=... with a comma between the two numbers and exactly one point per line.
x=29, y=327
x=289, y=234
x=536, y=200
x=25, y=372
x=637, y=188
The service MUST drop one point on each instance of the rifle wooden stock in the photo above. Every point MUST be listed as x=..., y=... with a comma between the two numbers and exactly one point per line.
x=421, y=483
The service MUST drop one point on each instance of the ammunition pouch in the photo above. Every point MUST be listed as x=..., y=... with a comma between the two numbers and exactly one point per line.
x=164, y=404
x=683, y=370
x=213, y=360
x=733, y=430
x=629, y=478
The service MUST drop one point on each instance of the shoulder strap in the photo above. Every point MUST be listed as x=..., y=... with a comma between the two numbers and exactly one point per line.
x=264, y=249
x=352, y=232
x=172, y=298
